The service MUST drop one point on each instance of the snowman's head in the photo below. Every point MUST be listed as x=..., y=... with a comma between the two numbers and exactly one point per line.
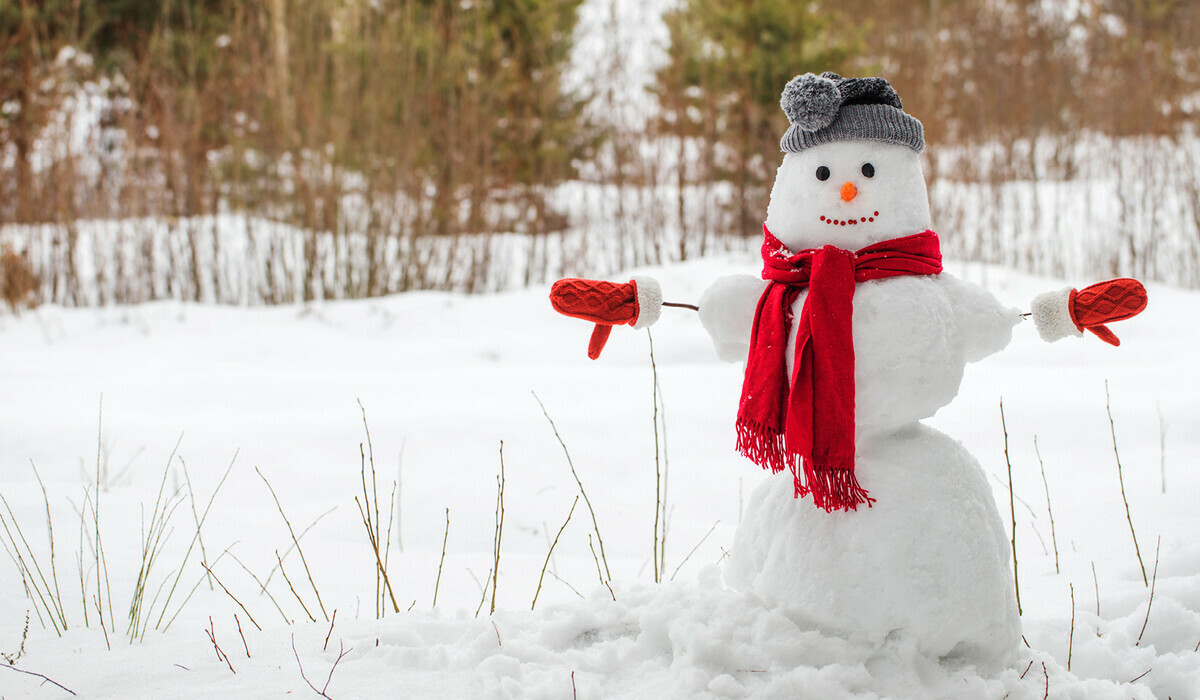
x=849, y=194
x=851, y=175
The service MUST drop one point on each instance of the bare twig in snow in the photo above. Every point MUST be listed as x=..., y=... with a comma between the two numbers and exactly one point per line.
x=1011, y=509
x=293, y=588
x=242, y=635
x=1153, y=583
x=551, y=552
x=45, y=679
x=212, y=637
x=329, y=634
x=582, y=491
x=499, y=534
x=1049, y=509
x=689, y=555
x=295, y=541
x=231, y=595
x=1120, y=475
x=445, y=538
x=1071, y=639
x=342, y=651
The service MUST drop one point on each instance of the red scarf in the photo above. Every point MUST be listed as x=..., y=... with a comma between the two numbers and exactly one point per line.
x=810, y=419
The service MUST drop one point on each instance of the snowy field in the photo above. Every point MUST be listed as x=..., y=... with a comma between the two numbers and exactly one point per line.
x=444, y=379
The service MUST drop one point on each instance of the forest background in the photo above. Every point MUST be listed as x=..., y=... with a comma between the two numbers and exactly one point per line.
x=276, y=151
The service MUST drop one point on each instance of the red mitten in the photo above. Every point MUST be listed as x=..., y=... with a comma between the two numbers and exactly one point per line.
x=1105, y=302
x=637, y=303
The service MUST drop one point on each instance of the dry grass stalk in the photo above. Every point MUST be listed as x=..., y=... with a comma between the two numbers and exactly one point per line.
x=445, y=537
x=296, y=595
x=582, y=491
x=368, y=510
x=658, y=553
x=231, y=595
x=107, y=643
x=153, y=541
x=196, y=539
x=50, y=537
x=689, y=554
x=1121, y=477
x=1046, y=484
x=31, y=571
x=499, y=531
x=243, y=634
x=262, y=588
x=1011, y=509
x=14, y=657
x=1096, y=583
x=1071, y=638
x=600, y=574
x=212, y=637
x=330, y=632
x=287, y=552
x=101, y=559
x=549, y=553
x=296, y=542
x=1150, y=603
x=483, y=590
x=567, y=584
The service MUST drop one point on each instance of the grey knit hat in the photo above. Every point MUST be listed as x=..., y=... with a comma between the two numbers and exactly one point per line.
x=827, y=107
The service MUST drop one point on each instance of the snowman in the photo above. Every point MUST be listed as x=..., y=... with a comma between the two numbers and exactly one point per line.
x=874, y=526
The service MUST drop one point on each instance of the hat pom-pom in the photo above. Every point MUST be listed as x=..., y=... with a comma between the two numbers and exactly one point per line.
x=810, y=101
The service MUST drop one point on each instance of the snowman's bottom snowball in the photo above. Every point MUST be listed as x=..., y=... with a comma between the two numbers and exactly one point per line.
x=929, y=560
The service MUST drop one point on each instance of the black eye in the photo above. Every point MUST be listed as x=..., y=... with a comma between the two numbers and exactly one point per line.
x=822, y=173
x=868, y=170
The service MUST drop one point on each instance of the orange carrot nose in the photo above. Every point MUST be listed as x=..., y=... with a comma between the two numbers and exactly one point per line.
x=849, y=191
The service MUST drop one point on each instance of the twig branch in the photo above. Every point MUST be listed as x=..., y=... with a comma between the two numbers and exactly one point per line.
x=551, y=552
x=212, y=637
x=1120, y=475
x=295, y=541
x=499, y=528
x=45, y=679
x=242, y=635
x=445, y=537
x=1046, y=484
x=231, y=595
x=342, y=651
x=1071, y=639
x=689, y=555
x=1153, y=582
x=587, y=501
x=1011, y=509
x=329, y=634
x=293, y=588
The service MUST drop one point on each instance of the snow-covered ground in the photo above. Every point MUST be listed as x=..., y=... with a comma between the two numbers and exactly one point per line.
x=445, y=379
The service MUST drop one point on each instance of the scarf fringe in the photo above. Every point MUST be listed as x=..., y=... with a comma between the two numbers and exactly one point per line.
x=832, y=488
x=762, y=445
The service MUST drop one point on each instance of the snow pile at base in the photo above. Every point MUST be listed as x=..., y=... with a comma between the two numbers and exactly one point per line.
x=680, y=640
x=444, y=379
